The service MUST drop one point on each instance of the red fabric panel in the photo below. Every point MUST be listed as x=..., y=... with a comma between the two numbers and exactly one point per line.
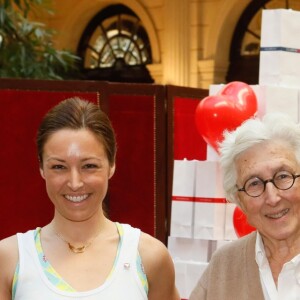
x=24, y=202
x=132, y=188
x=188, y=143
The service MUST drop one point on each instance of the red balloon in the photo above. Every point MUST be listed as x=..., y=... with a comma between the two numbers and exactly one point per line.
x=235, y=103
x=241, y=226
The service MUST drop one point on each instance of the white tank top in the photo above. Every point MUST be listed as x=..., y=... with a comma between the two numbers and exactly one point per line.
x=123, y=283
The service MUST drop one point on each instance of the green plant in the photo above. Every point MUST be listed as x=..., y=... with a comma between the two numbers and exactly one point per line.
x=26, y=47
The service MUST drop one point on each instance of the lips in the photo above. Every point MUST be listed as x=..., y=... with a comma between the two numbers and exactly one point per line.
x=278, y=214
x=76, y=199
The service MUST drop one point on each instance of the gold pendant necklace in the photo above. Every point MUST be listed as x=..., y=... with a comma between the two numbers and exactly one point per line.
x=72, y=248
x=78, y=249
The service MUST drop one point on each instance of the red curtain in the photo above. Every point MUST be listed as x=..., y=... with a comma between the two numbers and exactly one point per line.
x=132, y=189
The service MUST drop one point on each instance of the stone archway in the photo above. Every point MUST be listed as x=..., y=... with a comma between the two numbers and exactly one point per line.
x=221, y=32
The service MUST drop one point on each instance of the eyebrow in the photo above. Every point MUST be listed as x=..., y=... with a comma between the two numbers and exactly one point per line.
x=84, y=159
x=55, y=158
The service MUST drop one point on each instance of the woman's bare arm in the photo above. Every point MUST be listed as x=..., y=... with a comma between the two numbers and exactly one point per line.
x=8, y=263
x=159, y=269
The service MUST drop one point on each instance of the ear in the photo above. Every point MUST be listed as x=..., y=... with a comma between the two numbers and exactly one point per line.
x=112, y=171
x=240, y=203
x=42, y=173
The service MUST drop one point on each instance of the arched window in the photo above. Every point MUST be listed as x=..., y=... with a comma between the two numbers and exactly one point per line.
x=245, y=46
x=115, y=47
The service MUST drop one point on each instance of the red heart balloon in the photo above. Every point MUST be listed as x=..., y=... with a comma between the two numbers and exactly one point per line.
x=241, y=226
x=235, y=103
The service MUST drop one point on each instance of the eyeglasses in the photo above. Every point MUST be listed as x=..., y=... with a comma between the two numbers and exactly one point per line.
x=282, y=180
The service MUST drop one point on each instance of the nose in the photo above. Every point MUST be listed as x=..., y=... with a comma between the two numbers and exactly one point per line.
x=75, y=180
x=272, y=194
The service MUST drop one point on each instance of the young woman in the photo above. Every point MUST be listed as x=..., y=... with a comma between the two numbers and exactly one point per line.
x=81, y=254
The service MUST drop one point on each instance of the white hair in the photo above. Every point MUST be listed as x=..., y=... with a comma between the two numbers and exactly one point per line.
x=273, y=126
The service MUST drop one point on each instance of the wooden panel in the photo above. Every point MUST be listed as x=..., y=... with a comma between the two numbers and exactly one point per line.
x=143, y=116
x=138, y=199
x=138, y=116
x=183, y=139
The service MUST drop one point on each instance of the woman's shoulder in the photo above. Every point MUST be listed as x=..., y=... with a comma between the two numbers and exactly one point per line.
x=148, y=242
x=154, y=253
x=9, y=256
x=9, y=248
x=8, y=244
x=159, y=267
x=234, y=249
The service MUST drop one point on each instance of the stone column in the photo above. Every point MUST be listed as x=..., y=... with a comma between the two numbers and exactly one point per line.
x=176, y=39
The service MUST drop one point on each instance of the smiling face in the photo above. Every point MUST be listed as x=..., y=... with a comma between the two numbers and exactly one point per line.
x=76, y=170
x=276, y=213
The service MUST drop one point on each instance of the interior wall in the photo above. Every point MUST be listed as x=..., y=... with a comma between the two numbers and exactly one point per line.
x=220, y=36
x=207, y=27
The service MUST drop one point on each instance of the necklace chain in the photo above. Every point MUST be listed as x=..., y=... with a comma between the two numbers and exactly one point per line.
x=72, y=248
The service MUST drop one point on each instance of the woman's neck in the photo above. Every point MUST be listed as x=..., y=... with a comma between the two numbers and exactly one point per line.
x=283, y=250
x=79, y=231
x=280, y=252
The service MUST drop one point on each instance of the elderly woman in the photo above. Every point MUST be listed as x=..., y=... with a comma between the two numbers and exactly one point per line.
x=261, y=165
x=81, y=254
